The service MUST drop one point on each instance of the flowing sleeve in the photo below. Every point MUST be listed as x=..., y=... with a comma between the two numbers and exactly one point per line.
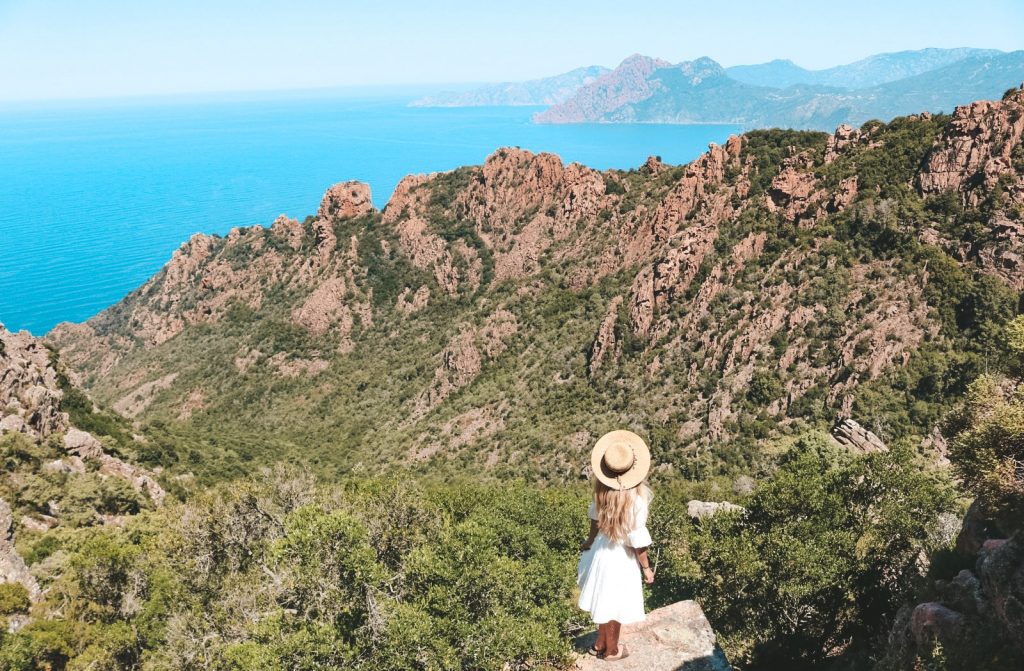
x=639, y=537
x=592, y=510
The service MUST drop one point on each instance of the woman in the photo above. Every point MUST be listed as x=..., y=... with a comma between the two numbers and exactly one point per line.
x=614, y=558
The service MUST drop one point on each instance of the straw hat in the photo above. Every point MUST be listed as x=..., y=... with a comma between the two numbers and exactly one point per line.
x=621, y=459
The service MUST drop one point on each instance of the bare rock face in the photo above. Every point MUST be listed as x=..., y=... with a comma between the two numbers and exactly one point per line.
x=675, y=637
x=288, y=230
x=29, y=394
x=794, y=190
x=406, y=214
x=605, y=344
x=12, y=566
x=933, y=621
x=977, y=150
x=844, y=137
x=346, y=199
x=849, y=433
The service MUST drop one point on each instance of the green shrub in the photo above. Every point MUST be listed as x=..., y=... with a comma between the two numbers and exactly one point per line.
x=14, y=598
x=824, y=554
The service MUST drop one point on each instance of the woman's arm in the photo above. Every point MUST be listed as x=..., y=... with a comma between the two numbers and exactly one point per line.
x=585, y=545
x=645, y=565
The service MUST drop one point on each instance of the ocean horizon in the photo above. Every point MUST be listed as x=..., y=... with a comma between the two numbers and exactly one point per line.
x=98, y=194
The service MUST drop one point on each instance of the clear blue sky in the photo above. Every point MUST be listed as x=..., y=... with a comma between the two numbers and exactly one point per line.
x=99, y=48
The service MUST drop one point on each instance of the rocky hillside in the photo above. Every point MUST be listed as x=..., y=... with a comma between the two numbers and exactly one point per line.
x=497, y=318
x=646, y=90
x=545, y=91
x=56, y=476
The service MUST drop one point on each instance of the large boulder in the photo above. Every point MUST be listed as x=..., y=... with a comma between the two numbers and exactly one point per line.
x=849, y=433
x=1001, y=574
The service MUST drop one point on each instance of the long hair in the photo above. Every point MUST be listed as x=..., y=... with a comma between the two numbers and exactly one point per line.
x=615, y=508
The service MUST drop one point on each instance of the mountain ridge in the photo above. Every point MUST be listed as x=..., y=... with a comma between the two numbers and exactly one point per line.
x=672, y=94
x=439, y=330
x=867, y=72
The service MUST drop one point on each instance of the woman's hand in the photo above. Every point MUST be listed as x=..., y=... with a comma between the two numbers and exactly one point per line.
x=648, y=575
x=585, y=545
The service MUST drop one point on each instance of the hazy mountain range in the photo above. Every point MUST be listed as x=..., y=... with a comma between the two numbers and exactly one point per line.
x=779, y=93
x=546, y=91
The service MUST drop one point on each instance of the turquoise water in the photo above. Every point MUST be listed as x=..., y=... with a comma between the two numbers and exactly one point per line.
x=95, y=198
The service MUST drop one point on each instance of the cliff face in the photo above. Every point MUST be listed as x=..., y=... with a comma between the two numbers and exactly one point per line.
x=497, y=315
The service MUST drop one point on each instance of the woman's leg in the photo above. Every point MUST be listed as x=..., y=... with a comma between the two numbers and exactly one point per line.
x=602, y=634
x=611, y=638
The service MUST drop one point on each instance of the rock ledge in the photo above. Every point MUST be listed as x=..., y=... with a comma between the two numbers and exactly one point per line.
x=674, y=638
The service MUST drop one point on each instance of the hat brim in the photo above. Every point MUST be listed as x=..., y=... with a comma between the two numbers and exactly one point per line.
x=636, y=473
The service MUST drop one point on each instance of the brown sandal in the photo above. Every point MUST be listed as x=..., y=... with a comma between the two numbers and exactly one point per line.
x=623, y=653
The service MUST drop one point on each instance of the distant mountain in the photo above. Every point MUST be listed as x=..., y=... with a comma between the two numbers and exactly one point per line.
x=644, y=90
x=627, y=84
x=865, y=73
x=546, y=91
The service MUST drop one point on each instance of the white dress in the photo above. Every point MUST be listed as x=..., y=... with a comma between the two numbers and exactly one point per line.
x=611, y=585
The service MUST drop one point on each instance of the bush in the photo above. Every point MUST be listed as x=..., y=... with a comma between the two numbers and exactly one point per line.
x=825, y=552
x=987, y=449
x=13, y=598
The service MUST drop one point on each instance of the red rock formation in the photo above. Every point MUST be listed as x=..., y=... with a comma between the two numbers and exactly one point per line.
x=345, y=199
x=977, y=149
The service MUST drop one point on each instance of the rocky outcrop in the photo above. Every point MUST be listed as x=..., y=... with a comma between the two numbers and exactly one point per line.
x=977, y=150
x=605, y=345
x=1001, y=575
x=844, y=138
x=344, y=200
x=672, y=638
x=975, y=531
x=700, y=510
x=29, y=394
x=848, y=433
x=462, y=360
x=12, y=566
x=84, y=446
x=30, y=398
x=976, y=609
x=406, y=214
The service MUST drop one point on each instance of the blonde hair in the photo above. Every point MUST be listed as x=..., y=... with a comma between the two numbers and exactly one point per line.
x=615, y=516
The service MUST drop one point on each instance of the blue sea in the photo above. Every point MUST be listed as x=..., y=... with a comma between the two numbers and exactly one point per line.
x=94, y=197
